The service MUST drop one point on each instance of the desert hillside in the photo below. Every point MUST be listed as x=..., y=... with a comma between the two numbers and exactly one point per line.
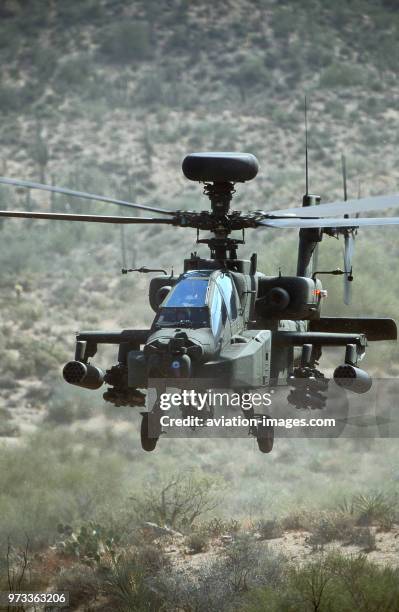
x=108, y=96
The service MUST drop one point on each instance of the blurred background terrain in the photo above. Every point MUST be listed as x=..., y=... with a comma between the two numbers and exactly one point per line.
x=108, y=96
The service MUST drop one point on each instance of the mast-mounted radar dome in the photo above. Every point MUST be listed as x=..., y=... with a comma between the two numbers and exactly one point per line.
x=223, y=167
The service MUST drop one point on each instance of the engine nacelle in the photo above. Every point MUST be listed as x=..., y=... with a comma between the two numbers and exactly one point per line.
x=288, y=297
x=354, y=379
x=83, y=375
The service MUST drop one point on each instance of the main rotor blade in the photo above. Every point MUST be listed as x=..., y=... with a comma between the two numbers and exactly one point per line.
x=87, y=218
x=80, y=194
x=341, y=207
x=300, y=223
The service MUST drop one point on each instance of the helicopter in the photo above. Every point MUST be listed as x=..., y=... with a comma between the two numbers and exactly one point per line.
x=221, y=319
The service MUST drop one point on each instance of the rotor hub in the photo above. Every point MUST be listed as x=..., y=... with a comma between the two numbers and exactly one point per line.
x=220, y=195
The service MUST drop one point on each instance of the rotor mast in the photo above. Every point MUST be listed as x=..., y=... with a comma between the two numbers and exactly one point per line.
x=220, y=172
x=221, y=246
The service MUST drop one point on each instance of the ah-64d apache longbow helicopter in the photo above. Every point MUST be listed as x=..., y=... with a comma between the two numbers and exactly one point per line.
x=223, y=320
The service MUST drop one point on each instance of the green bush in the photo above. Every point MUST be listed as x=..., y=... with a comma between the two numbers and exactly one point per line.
x=81, y=582
x=364, y=538
x=284, y=22
x=178, y=501
x=331, y=526
x=65, y=410
x=48, y=480
x=335, y=583
x=269, y=529
x=342, y=75
x=197, y=542
x=126, y=42
x=371, y=509
x=36, y=357
x=218, y=526
x=219, y=583
x=90, y=543
x=9, y=98
x=150, y=89
x=73, y=73
x=71, y=13
x=44, y=60
x=127, y=586
x=249, y=71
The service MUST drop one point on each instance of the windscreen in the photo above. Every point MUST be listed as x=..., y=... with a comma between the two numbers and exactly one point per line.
x=189, y=292
x=183, y=317
x=186, y=305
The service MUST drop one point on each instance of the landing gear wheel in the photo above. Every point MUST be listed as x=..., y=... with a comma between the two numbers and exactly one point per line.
x=147, y=443
x=265, y=438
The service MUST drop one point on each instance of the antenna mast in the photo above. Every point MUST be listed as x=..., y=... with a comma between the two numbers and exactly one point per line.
x=306, y=148
x=308, y=238
x=343, y=162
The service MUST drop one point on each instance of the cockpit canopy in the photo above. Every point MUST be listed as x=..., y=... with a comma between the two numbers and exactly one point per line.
x=190, y=291
x=200, y=298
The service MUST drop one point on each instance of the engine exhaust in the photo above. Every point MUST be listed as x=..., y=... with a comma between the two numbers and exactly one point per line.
x=352, y=378
x=83, y=375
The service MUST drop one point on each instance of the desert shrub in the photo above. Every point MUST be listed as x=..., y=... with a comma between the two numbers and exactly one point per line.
x=217, y=526
x=249, y=71
x=371, y=508
x=388, y=53
x=65, y=410
x=342, y=75
x=7, y=381
x=128, y=586
x=44, y=60
x=5, y=414
x=335, y=583
x=126, y=41
x=219, y=583
x=40, y=153
x=61, y=413
x=9, y=37
x=9, y=98
x=240, y=563
x=28, y=311
x=269, y=529
x=81, y=582
x=47, y=480
x=331, y=526
x=69, y=13
x=364, y=585
x=374, y=508
x=284, y=22
x=17, y=571
x=73, y=72
x=150, y=89
x=36, y=357
x=297, y=521
x=177, y=502
x=9, y=429
x=197, y=542
x=201, y=589
x=152, y=557
x=40, y=394
x=364, y=538
x=90, y=542
x=310, y=586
